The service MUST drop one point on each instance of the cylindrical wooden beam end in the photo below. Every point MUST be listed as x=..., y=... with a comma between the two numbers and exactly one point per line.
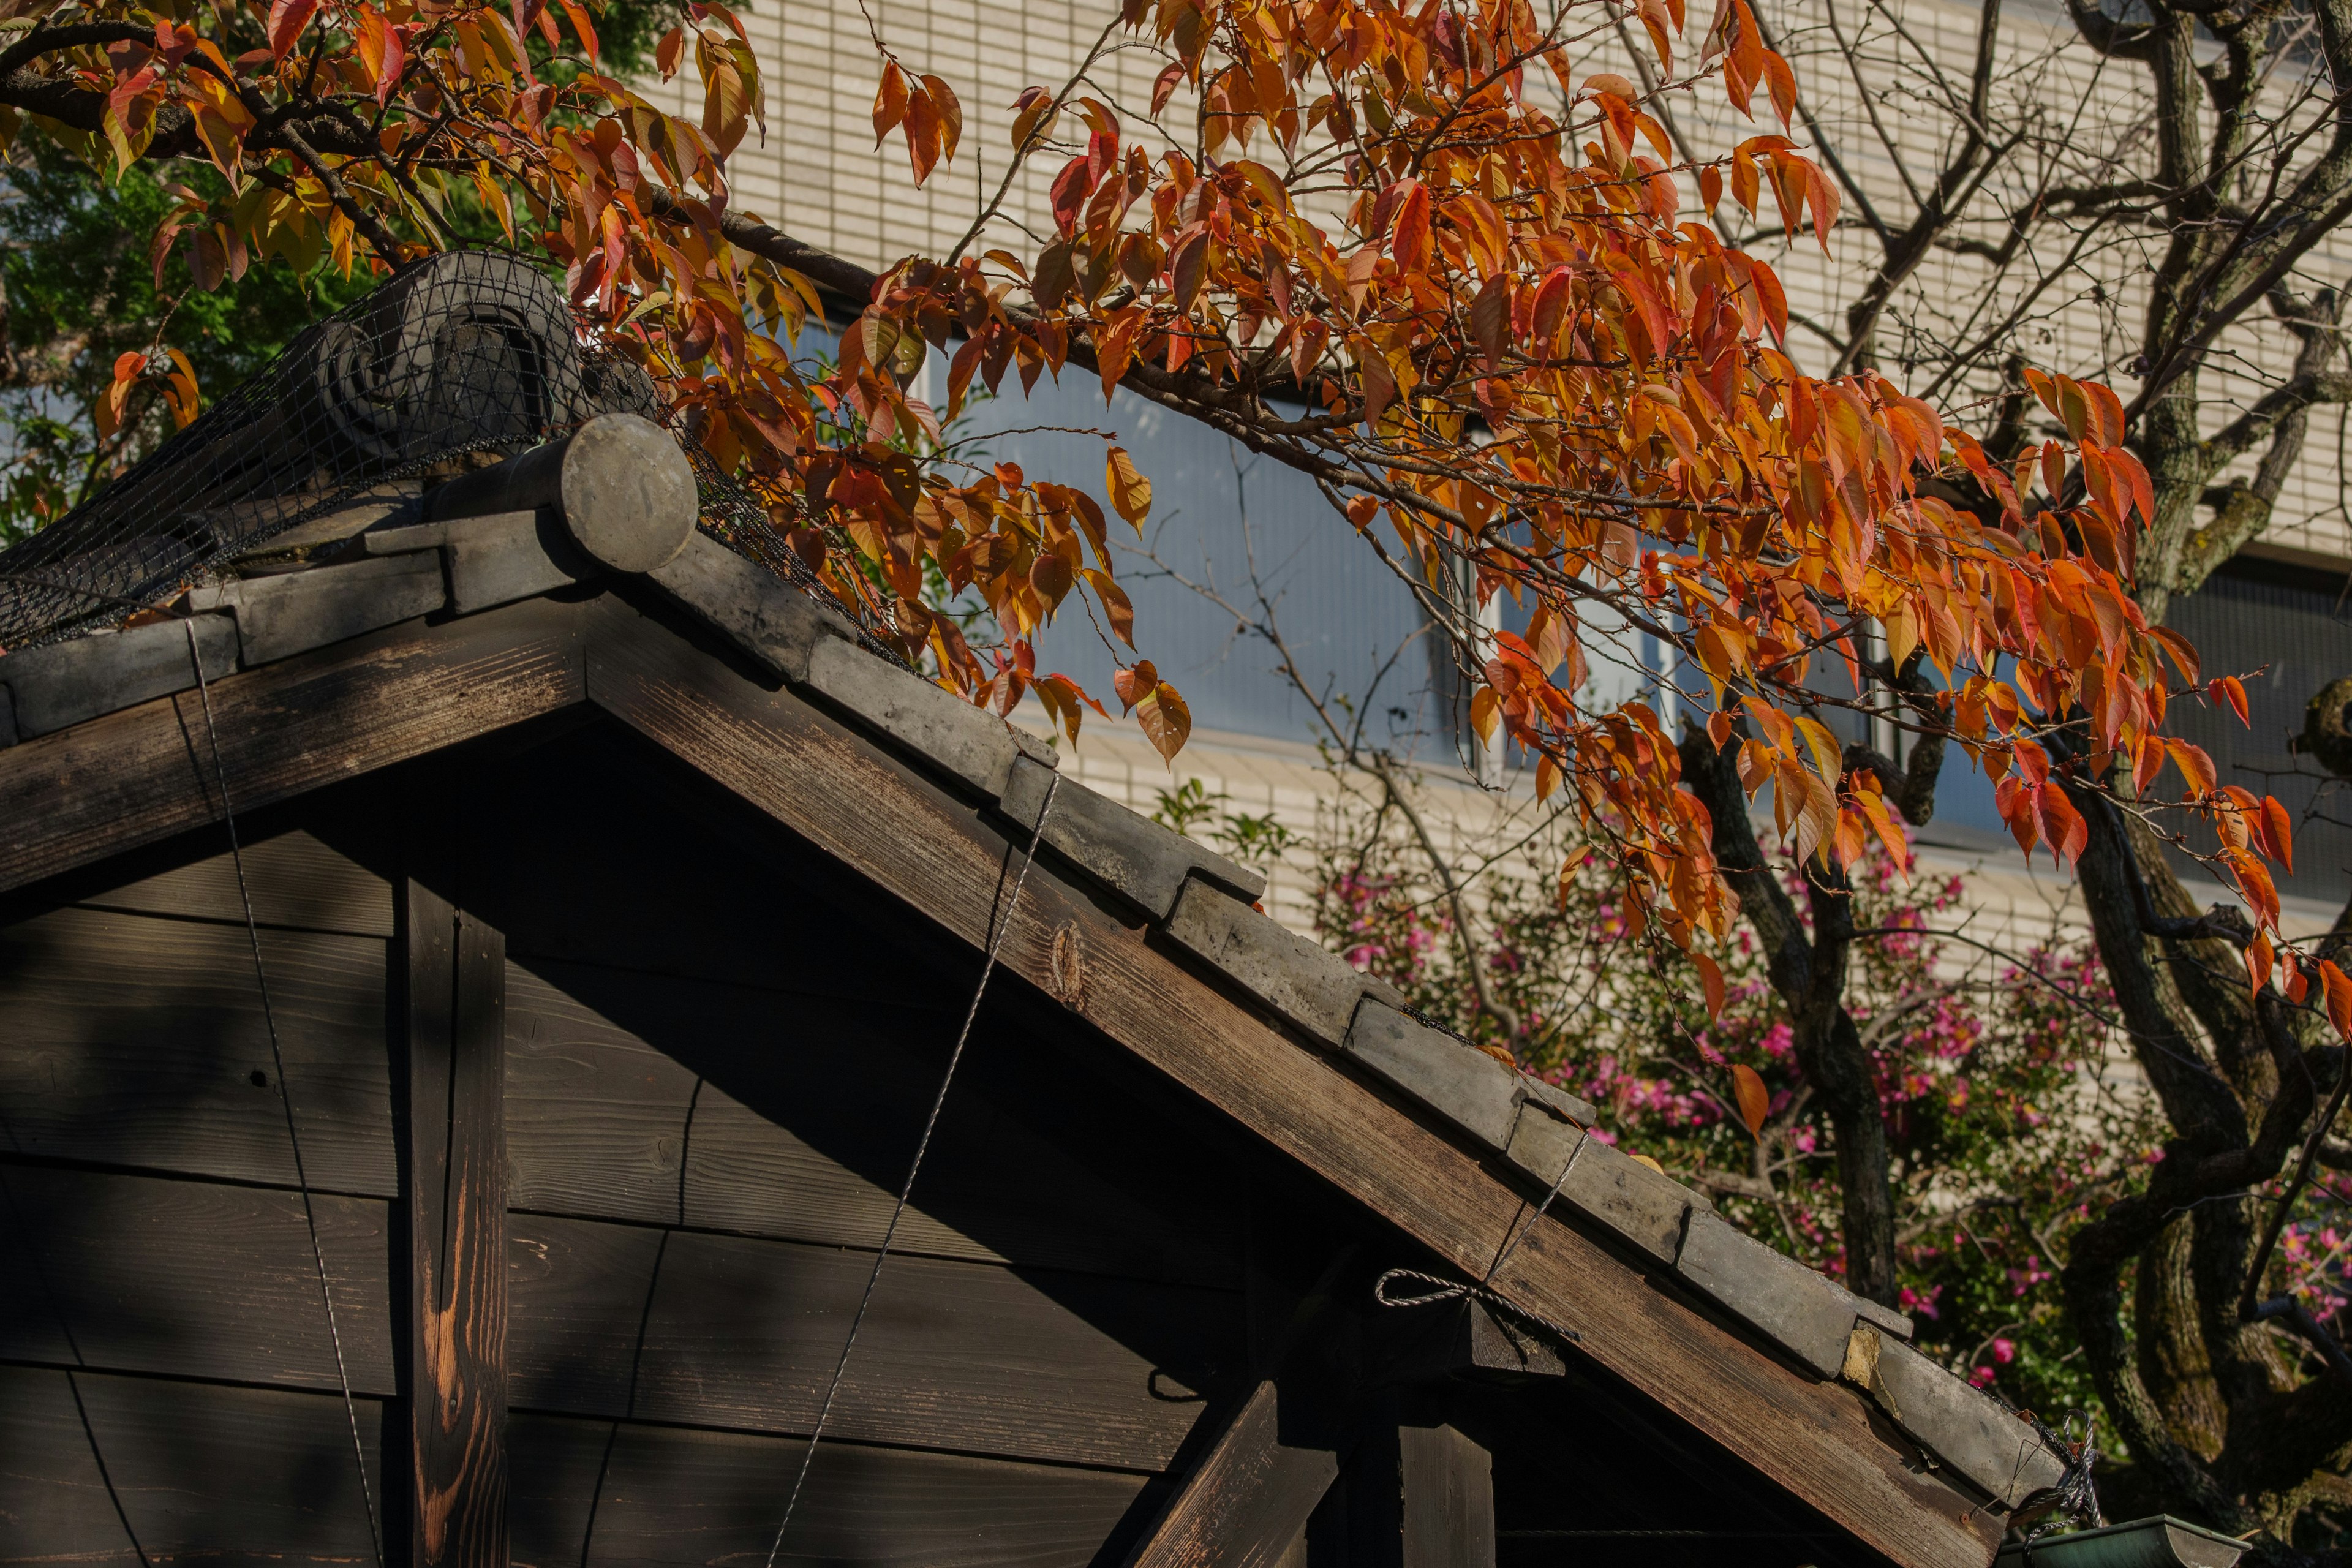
x=624, y=489
x=629, y=497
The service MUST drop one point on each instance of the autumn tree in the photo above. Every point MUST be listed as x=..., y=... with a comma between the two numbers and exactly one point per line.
x=1437, y=261
x=2163, y=180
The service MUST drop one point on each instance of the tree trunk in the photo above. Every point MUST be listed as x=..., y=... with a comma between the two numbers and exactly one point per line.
x=2170, y=1345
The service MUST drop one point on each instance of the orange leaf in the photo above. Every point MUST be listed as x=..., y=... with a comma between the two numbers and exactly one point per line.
x=1755, y=1100
x=1710, y=975
x=1783, y=83
x=2339, y=997
x=287, y=20
x=2229, y=689
x=923, y=131
x=1134, y=684
x=2280, y=830
x=889, y=101
x=951, y=114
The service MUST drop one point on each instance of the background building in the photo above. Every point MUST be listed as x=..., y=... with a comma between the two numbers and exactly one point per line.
x=1880, y=79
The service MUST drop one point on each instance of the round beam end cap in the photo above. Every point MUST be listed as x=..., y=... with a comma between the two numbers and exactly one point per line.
x=629, y=495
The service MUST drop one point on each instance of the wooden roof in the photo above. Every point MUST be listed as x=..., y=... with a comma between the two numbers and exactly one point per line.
x=428, y=636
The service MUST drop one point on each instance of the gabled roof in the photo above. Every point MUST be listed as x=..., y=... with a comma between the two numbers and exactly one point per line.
x=363, y=651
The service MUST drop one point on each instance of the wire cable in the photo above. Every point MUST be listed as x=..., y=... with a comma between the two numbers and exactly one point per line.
x=285, y=1094
x=931, y=1124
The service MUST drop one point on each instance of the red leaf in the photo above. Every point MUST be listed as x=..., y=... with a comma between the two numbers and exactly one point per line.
x=1490, y=319
x=287, y=20
x=1543, y=318
x=2280, y=830
x=1165, y=88
x=1409, y=242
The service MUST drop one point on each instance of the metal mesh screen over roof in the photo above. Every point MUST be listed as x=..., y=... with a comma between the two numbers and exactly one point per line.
x=471, y=351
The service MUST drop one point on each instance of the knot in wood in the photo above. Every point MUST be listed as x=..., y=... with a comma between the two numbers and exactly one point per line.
x=1066, y=966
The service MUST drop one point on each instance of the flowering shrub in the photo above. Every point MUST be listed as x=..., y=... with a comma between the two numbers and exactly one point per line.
x=2012, y=1111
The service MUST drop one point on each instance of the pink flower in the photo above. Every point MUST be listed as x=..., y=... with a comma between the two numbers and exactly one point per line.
x=1982, y=1377
x=2004, y=1351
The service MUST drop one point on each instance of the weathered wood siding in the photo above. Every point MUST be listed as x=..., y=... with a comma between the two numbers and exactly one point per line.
x=719, y=1053
x=719, y=1064
x=169, y=1387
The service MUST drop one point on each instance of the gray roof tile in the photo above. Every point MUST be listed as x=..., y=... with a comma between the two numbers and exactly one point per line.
x=1965, y=1427
x=60, y=684
x=296, y=611
x=1894, y=1322
x=1138, y=857
x=1806, y=1312
x=1542, y=1145
x=773, y=624
x=511, y=555
x=950, y=733
x=1460, y=1082
x=1307, y=983
x=1637, y=1202
x=1558, y=1101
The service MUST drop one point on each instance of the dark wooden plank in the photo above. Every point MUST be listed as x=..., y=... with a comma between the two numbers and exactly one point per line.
x=146, y=773
x=455, y=974
x=945, y=862
x=1247, y=1500
x=128, y=1039
x=54, y=1502
x=192, y=1278
x=670, y=1100
x=664, y=1497
x=298, y=879
x=729, y=1332
x=91, y=1464
x=319, y=863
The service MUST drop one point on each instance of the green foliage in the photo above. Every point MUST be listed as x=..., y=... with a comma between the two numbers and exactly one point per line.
x=1994, y=1079
x=80, y=290
x=1186, y=807
x=1256, y=838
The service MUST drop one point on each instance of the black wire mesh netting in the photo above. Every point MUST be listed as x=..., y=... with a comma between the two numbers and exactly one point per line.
x=458, y=361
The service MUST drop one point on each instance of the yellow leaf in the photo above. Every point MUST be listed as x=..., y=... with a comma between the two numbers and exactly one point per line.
x=1130, y=492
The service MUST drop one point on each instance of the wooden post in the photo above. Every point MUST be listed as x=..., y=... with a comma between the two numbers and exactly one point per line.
x=453, y=1159
x=1420, y=1494
x=1449, y=1499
